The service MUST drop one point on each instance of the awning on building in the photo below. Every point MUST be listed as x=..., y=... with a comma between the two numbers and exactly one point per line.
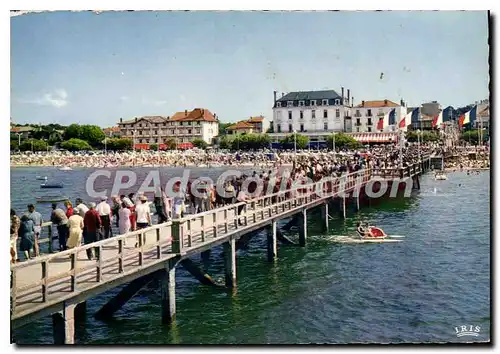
x=366, y=138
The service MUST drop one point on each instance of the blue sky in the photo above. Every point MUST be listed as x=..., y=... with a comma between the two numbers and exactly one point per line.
x=95, y=68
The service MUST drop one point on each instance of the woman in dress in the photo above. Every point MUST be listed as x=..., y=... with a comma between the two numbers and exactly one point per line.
x=75, y=225
x=124, y=224
x=27, y=235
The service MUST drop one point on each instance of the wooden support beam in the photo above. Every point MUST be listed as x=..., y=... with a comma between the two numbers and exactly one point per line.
x=283, y=239
x=230, y=263
x=205, y=259
x=124, y=295
x=64, y=325
x=167, y=284
x=303, y=228
x=326, y=216
x=196, y=272
x=272, y=245
x=342, y=207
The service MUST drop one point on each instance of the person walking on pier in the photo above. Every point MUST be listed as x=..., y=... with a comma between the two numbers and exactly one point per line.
x=15, y=222
x=36, y=217
x=75, y=225
x=92, y=223
x=27, y=236
x=104, y=211
x=59, y=218
x=143, y=213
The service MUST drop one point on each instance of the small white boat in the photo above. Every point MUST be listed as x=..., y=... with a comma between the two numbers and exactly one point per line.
x=41, y=178
x=440, y=176
x=66, y=168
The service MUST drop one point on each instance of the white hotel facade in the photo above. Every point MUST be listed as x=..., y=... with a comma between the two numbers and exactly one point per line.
x=315, y=114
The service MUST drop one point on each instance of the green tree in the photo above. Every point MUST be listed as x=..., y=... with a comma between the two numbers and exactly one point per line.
x=343, y=141
x=76, y=145
x=289, y=141
x=35, y=144
x=413, y=136
x=74, y=131
x=223, y=127
x=472, y=136
x=199, y=143
x=13, y=145
x=225, y=142
x=171, y=143
x=119, y=144
x=153, y=147
x=92, y=134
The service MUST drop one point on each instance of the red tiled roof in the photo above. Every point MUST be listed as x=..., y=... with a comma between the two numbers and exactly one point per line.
x=379, y=103
x=21, y=129
x=256, y=119
x=197, y=114
x=240, y=125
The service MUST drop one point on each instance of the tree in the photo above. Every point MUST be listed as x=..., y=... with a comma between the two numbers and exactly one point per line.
x=413, y=136
x=92, y=134
x=199, y=143
x=171, y=143
x=343, y=141
x=153, y=147
x=472, y=136
x=289, y=141
x=36, y=145
x=13, y=145
x=225, y=143
x=223, y=127
x=119, y=144
x=76, y=145
x=74, y=131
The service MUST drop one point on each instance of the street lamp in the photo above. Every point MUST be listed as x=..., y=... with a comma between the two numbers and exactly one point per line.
x=19, y=140
x=418, y=142
x=134, y=132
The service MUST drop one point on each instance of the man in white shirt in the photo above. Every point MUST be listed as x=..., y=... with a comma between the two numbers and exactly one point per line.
x=143, y=213
x=104, y=211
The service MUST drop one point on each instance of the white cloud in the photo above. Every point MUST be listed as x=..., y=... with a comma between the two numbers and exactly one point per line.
x=56, y=99
x=124, y=98
x=147, y=101
x=159, y=103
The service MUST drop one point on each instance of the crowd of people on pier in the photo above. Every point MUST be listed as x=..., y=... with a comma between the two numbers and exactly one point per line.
x=91, y=221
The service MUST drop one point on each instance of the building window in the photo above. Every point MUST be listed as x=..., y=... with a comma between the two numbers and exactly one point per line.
x=302, y=127
x=313, y=112
x=156, y=132
x=156, y=140
x=289, y=114
x=313, y=102
x=140, y=132
x=301, y=114
x=369, y=113
x=278, y=104
x=358, y=121
x=301, y=103
x=369, y=121
x=325, y=102
x=279, y=128
x=337, y=113
x=358, y=114
x=209, y=132
x=325, y=113
x=289, y=104
x=325, y=126
x=357, y=129
x=337, y=101
x=369, y=129
x=278, y=115
x=290, y=128
x=172, y=132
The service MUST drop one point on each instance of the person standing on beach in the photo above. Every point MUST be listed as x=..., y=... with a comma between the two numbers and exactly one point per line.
x=15, y=222
x=104, y=211
x=36, y=217
x=59, y=218
x=92, y=223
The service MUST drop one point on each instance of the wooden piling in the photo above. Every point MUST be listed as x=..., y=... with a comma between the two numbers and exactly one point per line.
x=272, y=244
x=303, y=228
x=230, y=263
x=326, y=215
x=167, y=284
x=64, y=325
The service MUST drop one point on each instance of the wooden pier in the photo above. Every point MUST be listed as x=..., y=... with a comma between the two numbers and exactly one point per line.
x=58, y=284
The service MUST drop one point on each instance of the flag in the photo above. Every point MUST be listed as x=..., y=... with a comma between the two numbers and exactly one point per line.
x=402, y=122
x=392, y=117
x=468, y=118
x=415, y=116
x=440, y=118
x=409, y=116
x=380, y=124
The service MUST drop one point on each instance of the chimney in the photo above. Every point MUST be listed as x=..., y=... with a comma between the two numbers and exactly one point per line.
x=348, y=96
x=342, y=101
x=186, y=112
x=362, y=103
x=402, y=103
x=352, y=104
x=282, y=94
x=385, y=102
x=275, y=97
x=121, y=120
x=136, y=119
